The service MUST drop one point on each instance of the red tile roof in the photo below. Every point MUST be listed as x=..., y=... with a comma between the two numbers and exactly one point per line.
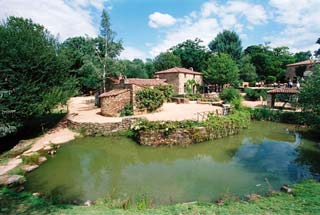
x=284, y=90
x=178, y=70
x=146, y=82
x=303, y=63
x=113, y=93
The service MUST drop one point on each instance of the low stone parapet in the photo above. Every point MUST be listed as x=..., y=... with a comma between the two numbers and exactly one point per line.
x=92, y=129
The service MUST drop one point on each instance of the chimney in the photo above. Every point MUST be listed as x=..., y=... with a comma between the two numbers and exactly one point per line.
x=191, y=68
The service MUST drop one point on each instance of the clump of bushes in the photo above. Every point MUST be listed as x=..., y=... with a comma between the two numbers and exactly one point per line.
x=229, y=94
x=300, y=118
x=127, y=110
x=31, y=159
x=253, y=95
x=220, y=125
x=150, y=99
x=167, y=91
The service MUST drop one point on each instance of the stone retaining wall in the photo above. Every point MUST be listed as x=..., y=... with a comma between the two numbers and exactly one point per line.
x=182, y=136
x=91, y=129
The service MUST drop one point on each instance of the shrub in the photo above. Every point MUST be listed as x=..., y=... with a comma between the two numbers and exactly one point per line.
x=150, y=99
x=127, y=110
x=271, y=79
x=229, y=94
x=31, y=159
x=167, y=91
x=254, y=95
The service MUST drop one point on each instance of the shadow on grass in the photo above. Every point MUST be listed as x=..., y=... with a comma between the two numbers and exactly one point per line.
x=31, y=129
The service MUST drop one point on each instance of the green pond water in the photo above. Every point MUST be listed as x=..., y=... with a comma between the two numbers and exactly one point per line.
x=264, y=156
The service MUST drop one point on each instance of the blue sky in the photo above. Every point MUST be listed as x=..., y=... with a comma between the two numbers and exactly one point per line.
x=148, y=27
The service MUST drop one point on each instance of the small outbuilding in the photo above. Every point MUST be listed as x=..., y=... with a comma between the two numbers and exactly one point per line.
x=303, y=69
x=278, y=91
x=124, y=93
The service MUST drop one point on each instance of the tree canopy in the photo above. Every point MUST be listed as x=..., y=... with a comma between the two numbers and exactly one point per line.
x=192, y=54
x=227, y=42
x=34, y=74
x=221, y=69
x=317, y=53
x=166, y=60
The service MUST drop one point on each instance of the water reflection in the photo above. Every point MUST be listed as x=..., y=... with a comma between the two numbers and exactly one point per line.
x=97, y=167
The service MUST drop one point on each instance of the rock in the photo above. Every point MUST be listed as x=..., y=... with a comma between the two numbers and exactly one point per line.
x=47, y=148
x=219, y=202
x=253, y=197
x=52, y=152
x=87, y=203
x=12, y=180
x=19, y=189
x=286, y=189
x=36, y=194
x=29, y=168
x=42, y=159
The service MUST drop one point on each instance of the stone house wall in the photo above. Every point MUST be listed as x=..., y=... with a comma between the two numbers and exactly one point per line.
x=173, y=79
x=183, y=78
x=178, y=80
x=112, y=105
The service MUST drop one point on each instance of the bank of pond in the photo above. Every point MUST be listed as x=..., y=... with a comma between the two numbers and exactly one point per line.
x=258, y=160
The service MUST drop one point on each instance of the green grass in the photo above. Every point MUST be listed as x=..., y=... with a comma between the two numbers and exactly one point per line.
x=305, y=200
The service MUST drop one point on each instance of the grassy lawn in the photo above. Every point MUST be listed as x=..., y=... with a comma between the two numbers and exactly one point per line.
x=305, y=200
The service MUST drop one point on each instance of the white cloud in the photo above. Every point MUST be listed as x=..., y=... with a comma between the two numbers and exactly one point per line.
x=131, y=53
x=301, y=24
x=64, y=18
x=206, y=29
x=255, y=14
x=157, y=20
x=210, y=20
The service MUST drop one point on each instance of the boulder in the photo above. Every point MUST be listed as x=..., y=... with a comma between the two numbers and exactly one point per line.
x=87, y=203
x=9, y=180
x=253, y=197
x=42, y=159
x=29, y=168
x=286, y=189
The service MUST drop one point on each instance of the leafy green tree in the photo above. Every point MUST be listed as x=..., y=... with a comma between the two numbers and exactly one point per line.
x=166, y=60
x=222, y=70
x=247, y=69
x=301, y=56
x=80, y=52
x=33, y=73
x=309, y=98
x=134, y=69
x=149, y=67
x=192, y=54
x=317, y=53
x=227, y=42
x=268, y=61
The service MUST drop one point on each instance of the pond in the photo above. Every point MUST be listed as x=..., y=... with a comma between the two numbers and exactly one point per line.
x=263, y=157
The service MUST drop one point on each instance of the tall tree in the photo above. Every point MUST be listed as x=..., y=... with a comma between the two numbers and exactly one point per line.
x=33, y=73
x=166, y=60
x=192, y=54
x=227, y=42
x=221, y=70
x=106, y=48
x=317, y=53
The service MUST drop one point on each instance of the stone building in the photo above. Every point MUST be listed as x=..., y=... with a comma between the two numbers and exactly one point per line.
x=303, y=67
x=178, y=78
x=123, y=92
